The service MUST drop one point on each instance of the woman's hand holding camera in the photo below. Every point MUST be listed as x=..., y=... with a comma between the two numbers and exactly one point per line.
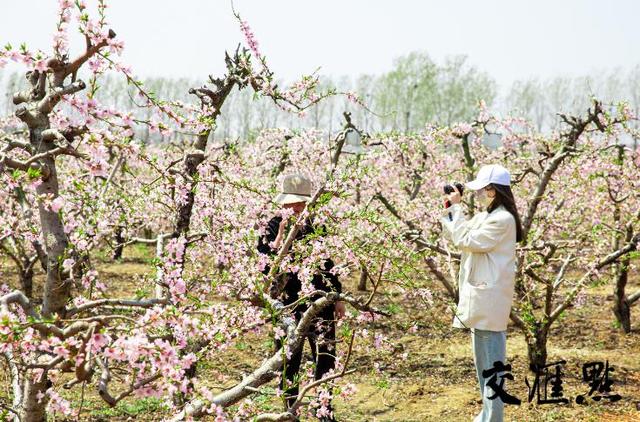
x=453, y=194
x=454, y=197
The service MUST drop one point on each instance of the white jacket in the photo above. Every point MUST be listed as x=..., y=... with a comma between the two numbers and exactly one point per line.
x=488, y=266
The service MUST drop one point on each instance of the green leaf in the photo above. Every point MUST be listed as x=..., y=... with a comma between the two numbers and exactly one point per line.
x=34, y=173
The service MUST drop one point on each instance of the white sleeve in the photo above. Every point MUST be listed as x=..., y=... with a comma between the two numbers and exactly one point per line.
x=484, y=238
x=458, y=217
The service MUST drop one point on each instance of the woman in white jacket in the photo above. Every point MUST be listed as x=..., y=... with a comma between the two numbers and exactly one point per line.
x=487, y=243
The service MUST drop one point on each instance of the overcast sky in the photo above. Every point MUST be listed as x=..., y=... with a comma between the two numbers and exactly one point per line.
x=508, y=39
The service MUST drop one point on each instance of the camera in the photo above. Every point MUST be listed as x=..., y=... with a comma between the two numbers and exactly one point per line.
x=449, y=189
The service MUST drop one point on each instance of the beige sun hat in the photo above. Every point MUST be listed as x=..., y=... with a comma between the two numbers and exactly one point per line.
x=294, y=188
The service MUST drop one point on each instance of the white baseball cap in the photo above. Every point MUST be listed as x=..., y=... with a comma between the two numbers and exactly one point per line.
x=491, y=173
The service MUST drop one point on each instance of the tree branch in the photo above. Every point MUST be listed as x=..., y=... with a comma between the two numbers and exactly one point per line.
x=141, y=303
x=632, y=245
x=47, y=104
x=267, y=371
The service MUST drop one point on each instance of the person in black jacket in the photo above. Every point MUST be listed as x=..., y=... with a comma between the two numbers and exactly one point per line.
x=295, y=192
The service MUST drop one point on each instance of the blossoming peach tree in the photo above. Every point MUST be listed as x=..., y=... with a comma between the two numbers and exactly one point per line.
x=572, y=196
x=77, y=182
x=78, y=167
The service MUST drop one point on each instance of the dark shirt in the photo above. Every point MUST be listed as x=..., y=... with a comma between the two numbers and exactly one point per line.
x=323, y=279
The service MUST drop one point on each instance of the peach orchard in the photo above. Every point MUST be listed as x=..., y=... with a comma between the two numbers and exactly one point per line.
x=75, y=180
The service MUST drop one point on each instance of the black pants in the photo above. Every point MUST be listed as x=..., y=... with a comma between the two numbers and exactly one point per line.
x=321, y=336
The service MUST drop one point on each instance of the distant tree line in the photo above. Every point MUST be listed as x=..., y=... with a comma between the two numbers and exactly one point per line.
x=415, y=92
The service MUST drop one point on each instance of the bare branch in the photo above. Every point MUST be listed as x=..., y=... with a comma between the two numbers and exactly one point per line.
x=141, y=303
x=414, y=233
x=612, y=257
x=105, y=378
x=47, y=104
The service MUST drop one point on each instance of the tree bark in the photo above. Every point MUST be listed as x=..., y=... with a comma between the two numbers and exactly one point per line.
x=32, y=410
x=26, y=281
x=537, y=347
x=117, y=253
x=621, y=306
x=362, y=282
x=56, y=289
x=621, y=270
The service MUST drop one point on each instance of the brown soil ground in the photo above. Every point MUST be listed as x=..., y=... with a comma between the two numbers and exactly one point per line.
x=436, y=381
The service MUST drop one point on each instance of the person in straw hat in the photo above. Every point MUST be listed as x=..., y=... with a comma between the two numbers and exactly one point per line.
x=294, y=194
x=487, y=274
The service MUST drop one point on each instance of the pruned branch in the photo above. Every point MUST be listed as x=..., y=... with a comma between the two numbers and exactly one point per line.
x=47, y=104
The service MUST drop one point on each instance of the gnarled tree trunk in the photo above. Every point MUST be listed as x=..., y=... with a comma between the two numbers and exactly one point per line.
x=537, y=348
x=45, y=90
